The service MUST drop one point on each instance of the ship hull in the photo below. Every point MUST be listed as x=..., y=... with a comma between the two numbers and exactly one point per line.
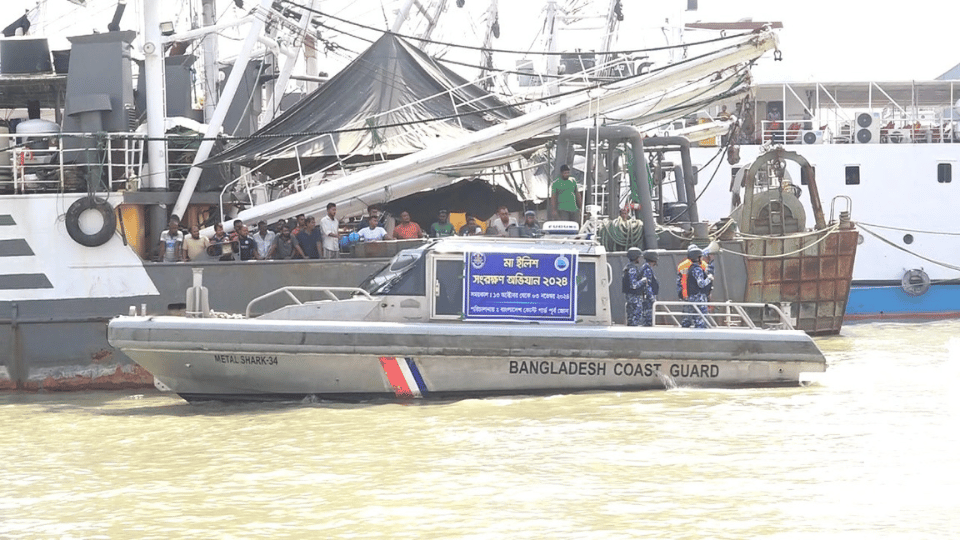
x=885, y=300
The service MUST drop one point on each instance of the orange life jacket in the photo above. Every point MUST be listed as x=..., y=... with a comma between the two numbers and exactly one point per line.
x=683, y=269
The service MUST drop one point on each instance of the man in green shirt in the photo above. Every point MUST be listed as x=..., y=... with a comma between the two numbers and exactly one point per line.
x=565, y=197
x=442, y=227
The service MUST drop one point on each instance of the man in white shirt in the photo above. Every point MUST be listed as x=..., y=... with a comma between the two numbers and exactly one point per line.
x=373, y=232
x=171, y=242
x=264, y=239
x=330, y=233
x=501, y=222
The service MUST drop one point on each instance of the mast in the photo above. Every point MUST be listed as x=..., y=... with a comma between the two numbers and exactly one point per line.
x=216, y=121
x=401, y=16
x=674, y=31
x=432, y=17
x=553, y=61
x=211, y=67
x=156, y=97
x=290, y=61
x=493, y=30
x=310, y=57
x=614, y=16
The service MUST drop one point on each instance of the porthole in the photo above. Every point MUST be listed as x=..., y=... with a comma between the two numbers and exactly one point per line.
x=908, y=239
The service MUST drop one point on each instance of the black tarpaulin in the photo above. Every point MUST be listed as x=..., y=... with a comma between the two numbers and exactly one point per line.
x=387, y=94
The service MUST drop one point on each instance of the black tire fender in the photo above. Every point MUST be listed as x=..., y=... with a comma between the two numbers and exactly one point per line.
x=106, y=212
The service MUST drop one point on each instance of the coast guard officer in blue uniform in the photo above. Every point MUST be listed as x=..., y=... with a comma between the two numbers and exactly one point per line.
x=632, y=287
x=694, y=284
x=650, y=288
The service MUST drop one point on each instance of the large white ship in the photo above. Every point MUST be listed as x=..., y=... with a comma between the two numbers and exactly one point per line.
x=892, y=149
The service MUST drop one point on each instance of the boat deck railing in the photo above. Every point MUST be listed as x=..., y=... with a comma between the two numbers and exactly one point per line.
x=331, y=293
x=67, y=162
x=720, y=314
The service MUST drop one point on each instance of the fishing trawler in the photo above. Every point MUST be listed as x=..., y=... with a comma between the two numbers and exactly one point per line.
x=83, y=199
x=459, y=317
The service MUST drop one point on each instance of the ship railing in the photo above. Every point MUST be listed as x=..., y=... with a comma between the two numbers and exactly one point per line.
x=43, y=162
x=890, y=132
x=331, y=293
x=720, y=314
x=781, y=132
x=250, y=188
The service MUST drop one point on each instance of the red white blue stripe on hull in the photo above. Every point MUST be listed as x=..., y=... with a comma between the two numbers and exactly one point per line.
x=404, y=377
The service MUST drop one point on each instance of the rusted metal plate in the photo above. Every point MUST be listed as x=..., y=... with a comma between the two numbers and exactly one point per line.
x=814, y=274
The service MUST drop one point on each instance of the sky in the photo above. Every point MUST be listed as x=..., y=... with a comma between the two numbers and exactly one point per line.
x=824, y=40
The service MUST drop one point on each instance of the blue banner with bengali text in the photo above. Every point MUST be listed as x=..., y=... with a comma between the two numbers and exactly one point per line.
x=518, y=286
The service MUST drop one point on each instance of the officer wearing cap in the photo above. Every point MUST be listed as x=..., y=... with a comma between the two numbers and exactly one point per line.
x=632, y=286
x=694, y=284
x=651, y=287
x=529, y=228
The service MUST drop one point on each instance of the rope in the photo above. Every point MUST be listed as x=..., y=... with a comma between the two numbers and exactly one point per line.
x=794, y=235
x=510, y=51
x=826, y=233
x=905, y=250
x=618, y=232
x=907, y=230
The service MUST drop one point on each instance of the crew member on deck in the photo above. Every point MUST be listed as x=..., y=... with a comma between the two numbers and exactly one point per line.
x=530, y=228
x=442, y=227
x=373, y=232
x=694, y=284
x=330, y=233
x=632, y=287
x=651, y=287
x=171, y=241
x=407, y=229
x=501, y=224
x=565, y=197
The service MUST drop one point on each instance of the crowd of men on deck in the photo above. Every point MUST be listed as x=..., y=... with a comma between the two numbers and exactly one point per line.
x=303, y=237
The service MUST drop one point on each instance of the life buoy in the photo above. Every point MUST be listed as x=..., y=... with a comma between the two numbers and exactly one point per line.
x=915, y=282
x=106, y=212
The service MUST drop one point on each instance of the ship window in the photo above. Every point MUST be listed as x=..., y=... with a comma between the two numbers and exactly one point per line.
x=586, y=288
x=733, y=175
x=405, y=275
x=944, y=173
x=852, y=174
x=449, y=300
x=805, y=176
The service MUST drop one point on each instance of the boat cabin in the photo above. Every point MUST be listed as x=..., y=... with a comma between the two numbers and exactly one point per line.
x=475, y=279
x=478, y=279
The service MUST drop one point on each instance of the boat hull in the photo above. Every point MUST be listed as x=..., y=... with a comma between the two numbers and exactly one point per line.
x=266, y=360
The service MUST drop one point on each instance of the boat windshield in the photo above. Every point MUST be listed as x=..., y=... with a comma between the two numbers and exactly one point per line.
x=405, y=274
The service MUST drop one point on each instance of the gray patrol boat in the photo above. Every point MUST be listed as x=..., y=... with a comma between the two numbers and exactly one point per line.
x=454, y=318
